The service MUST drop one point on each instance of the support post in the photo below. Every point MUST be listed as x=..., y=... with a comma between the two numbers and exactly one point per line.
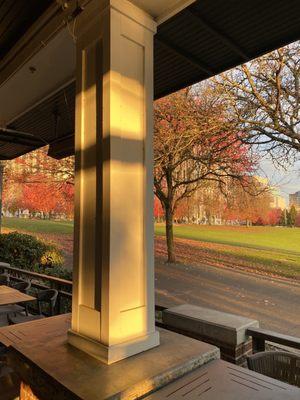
x=113, y=279
x=258, y=345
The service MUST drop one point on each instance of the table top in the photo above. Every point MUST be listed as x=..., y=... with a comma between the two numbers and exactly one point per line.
x=222, y=380
x=40, y=329
x=10, y=295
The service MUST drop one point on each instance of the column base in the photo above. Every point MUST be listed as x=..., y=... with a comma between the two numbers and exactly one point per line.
x=111, y=354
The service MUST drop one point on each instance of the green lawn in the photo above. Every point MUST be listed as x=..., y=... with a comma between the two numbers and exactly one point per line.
x=38, y=226
x=275, y=249
x=252, y=237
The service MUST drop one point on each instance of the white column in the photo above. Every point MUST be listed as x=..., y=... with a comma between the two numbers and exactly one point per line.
x=113, y=294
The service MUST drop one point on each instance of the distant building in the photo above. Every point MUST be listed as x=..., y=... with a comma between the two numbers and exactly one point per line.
x=294, y=200
x=277, y=201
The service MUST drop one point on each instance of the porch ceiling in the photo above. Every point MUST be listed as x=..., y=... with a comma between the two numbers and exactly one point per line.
x=206, y=38
x=15, y=19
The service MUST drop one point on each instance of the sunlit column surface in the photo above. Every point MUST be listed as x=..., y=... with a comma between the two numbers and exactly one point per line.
x=113, y=294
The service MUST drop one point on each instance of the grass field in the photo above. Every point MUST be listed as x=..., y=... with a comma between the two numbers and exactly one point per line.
x=273, y=249
x=38, y=226
x=268, y=249
x=253, y=237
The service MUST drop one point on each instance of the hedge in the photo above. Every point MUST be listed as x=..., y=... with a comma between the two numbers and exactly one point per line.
x=27, y=252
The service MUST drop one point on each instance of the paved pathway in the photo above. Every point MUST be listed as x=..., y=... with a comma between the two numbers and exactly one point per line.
x=275, y=303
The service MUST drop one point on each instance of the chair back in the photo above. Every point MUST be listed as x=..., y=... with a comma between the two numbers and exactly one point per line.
x=22, y=286
x=279, y=365
x=48, y=296
x=4, y=279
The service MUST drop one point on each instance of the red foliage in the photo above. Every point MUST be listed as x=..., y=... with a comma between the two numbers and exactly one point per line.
x=182, y=209
x=40, y=184
x=48, y=198
x=273, y=217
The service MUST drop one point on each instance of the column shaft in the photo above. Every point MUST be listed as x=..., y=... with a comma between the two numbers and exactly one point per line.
x=113, y=295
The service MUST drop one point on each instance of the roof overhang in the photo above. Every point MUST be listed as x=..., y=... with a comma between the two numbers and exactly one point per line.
x=161, y=11
x=195, y=40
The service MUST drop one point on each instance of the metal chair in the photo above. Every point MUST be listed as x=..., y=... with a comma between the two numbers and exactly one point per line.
x=22, y=286
x=48, y=296
x=279, y=365
x=4, y=279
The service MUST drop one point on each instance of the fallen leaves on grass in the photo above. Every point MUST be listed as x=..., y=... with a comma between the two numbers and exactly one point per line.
x=197, y=253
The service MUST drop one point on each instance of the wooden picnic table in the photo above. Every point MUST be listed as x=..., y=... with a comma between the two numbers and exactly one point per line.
x=9, y=295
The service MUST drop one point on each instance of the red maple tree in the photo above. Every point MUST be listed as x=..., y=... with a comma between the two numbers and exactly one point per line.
x=194, y=141
x=39, y=183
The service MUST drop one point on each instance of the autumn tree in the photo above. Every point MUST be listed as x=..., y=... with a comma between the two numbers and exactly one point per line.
x=274, y=216
x=194, y=141
x=39, y=183
x=38, y=167
x=292, y=216
x=12, y=198
x=244, y=206
x=264, y=98
x=44, y=198
x=284, y=218
x=213, y=199
x=158, y=211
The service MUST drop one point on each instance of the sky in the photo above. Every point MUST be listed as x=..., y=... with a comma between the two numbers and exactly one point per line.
x=287, y=181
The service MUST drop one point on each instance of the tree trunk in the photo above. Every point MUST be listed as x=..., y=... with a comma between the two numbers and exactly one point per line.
x=169, y=234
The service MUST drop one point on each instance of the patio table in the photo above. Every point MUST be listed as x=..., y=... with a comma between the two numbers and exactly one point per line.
x=42, y=343
x=24, y=334
x=9, y=295
x=221, y=380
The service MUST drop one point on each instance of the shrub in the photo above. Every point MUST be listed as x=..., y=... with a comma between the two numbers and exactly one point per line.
x=52, y=258
x=27, y=252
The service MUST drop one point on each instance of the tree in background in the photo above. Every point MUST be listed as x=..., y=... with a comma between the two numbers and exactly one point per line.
x=37, y=167
x=194, y=141
x=40, y=184
x=158, y=210
x=273, y=217
x=263, y=98
x=292, y=216
x=12, y=196
x=284, y=218
x=298, y=220
x=44, y=198
x=243, y=206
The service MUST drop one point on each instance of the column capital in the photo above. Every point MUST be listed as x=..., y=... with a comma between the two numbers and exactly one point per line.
x=137, y=14
x=94, y=10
